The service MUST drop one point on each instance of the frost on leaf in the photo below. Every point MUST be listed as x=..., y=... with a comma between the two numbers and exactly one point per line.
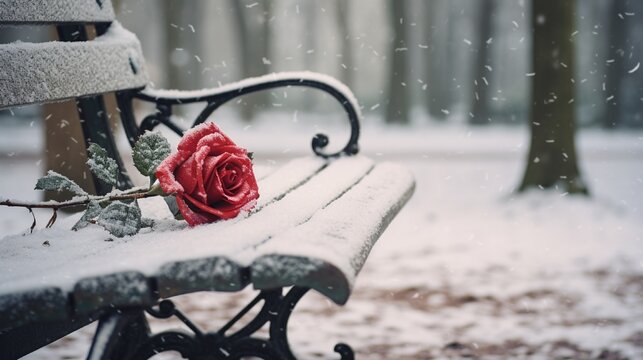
x=57, y=182
x=104, y=167
x=149, y=151
x=93, y=210
x=121, y=219
x=147, y=222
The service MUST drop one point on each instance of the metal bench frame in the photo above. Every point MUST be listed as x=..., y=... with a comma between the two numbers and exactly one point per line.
x=135, y=341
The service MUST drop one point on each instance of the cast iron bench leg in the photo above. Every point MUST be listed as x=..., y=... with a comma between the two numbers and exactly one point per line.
x=124, y=334
x=118, y=334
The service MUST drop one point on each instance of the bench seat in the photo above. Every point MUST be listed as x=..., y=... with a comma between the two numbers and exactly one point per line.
x=318, y=234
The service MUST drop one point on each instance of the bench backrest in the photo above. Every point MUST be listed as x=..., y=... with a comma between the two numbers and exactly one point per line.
x=94, y=55
x=73, y=67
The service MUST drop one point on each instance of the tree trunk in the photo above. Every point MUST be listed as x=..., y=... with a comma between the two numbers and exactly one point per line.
x=552, y=155
x=65, y=146
x=617, y=47
x=480, y=106
x=180, y=25
x=438, y=68
x=398, y=94
x=253, y=28
x=343, y=22
x=309, y=10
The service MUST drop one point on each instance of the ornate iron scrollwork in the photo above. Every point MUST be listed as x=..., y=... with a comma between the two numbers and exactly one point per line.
x=275, y=310
x=217, y=97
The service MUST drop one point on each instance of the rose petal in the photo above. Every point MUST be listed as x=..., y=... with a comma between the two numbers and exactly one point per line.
x=191, y=217
x=223, y=210
x=199, y=158
x=212, y=182
x=219, y=144
x=240, y=191
x=191, y=139
x=165, y=172
x=231, y=176
x=184, y=174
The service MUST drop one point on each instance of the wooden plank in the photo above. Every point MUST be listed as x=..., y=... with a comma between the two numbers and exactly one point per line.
x=114, y=290
x=55, y=11
x=216, y=273
x=328, y=251
x=288, y=177
x=41, y=304
x=24, y=339
x=53, y=71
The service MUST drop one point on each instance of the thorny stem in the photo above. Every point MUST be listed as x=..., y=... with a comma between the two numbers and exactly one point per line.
x=83, y=201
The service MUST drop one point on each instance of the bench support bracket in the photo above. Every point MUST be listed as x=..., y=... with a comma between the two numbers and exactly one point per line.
x=116, y=338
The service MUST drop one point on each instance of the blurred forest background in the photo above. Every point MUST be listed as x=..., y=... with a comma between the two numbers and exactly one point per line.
x=401, y=57
x=441, y=57
x=410, y=62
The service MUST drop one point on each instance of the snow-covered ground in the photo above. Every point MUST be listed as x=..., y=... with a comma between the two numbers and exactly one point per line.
x=468, y=268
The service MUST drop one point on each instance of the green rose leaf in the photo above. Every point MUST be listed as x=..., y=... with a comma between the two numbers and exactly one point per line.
x=120, y=219
x=57, y=182
x=147, y=222
x=93, y=210
x=104, y=167
x=149, y=151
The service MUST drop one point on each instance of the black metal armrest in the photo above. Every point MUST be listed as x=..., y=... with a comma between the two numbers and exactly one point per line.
x=214, y=98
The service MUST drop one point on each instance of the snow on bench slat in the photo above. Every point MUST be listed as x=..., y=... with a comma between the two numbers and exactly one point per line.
x=26, y=266
x=220, y=273
x=282, y=180
x=328, y=251
x=224, y=245
x=52, y=71
x=55, y=11
x=48, y=303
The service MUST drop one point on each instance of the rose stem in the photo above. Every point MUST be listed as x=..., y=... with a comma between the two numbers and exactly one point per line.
x=70, y=203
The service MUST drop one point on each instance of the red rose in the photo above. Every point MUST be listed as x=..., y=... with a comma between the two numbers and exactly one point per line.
x=211, y=177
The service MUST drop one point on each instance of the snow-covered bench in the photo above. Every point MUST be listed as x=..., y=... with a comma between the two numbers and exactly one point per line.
x=313, y=228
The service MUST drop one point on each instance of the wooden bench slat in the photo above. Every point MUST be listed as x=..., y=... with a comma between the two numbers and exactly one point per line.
x=40, y=304
x=113, y=290
x=288, y=177
x=55, y=11
x=328, y=251
x=52, y=71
